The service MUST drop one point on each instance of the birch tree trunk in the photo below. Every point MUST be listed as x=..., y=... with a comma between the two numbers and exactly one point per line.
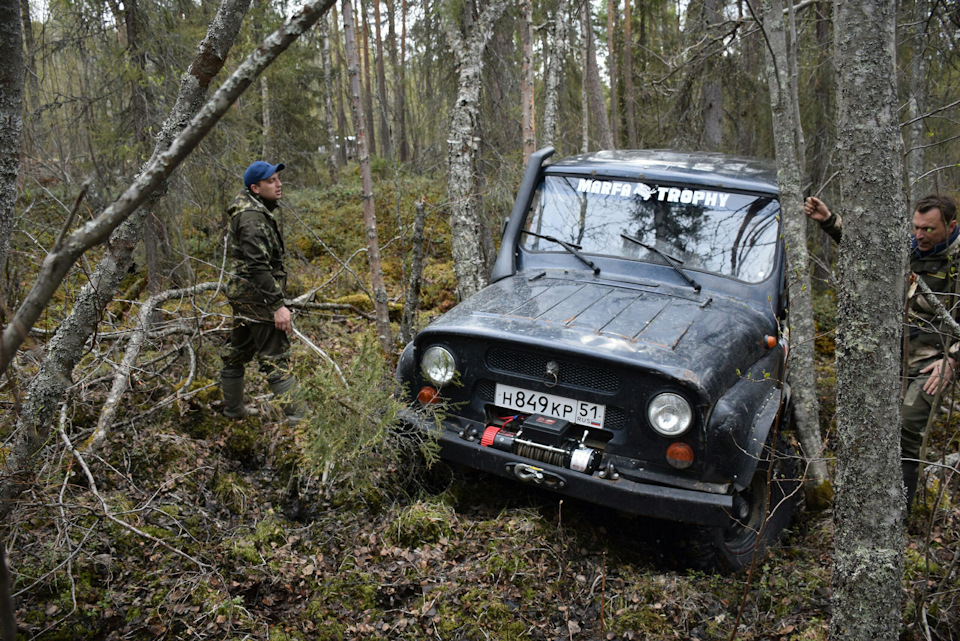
x=526, y=79
x=554, y=74
x=472, y=242
x=363, y=156
x=65, y=348
x=11, y=117
x=869, y=507
x=801, y=366
x=594, y=87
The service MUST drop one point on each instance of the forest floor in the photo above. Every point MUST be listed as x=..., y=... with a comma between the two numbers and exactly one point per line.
x=187, y=525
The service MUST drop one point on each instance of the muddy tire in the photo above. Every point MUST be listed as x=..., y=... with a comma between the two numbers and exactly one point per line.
x=755, y=522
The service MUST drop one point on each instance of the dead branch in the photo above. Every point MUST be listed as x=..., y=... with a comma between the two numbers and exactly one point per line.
x=941, y=312
x=121, y=378
x=295, y=304
x=319, y=351
x=103, y=504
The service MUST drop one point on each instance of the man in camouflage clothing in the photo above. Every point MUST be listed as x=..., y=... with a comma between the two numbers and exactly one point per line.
x=930, y=346
x=261, y=320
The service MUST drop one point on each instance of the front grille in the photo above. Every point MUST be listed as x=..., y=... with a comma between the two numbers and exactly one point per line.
x=534, y=366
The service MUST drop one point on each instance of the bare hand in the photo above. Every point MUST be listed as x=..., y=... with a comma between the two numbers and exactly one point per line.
x=815, y=208
x=941, y=375
x=281, y=319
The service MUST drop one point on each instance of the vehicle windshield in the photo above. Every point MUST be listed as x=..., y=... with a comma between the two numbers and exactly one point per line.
x=713, y=231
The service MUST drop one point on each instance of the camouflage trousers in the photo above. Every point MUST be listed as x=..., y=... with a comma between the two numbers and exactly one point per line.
x=915, y=414
x=249, y=339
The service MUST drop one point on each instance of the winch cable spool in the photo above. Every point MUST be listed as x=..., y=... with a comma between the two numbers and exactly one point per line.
x=565, y=451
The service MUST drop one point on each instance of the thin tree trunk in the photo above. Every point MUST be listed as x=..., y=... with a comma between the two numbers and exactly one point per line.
x=801, y=366
x=594, y=86
x=869, y=508
x=554, y=73
x=11, y=118
x=916, y=104
x=367, y=82
x=584, y=91
x=341, y=113
x=382, y=98
x=712, y=89
x=471, y=259
x=628, y=74
x=403, y=146
x=369, y=216
x=65, y=348
x=526, y=79
x=328, y=114
x=412, y=299
x=613, y=69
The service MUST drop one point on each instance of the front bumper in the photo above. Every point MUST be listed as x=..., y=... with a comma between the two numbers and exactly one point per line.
x=657, y=501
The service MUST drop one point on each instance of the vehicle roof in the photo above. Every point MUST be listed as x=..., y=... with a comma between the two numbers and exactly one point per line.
x=661, y=165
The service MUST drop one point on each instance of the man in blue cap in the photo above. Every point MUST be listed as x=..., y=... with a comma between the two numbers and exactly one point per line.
x=261, y=320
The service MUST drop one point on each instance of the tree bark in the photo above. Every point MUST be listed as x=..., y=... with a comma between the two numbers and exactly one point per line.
x=916, y=103
x=712, y=88
x=386, y=149
x=554, y=75
x=613, y=69
x=526, y=79
x=801, y=372
x=471, y=254
x=363, y=156
x=412, y=299
x=869, y=508
x=65, y=348
x=367, y=83
x=328, y=114
x=594, y=87
x=628, y=74
x=11, y=118
x=399, y=71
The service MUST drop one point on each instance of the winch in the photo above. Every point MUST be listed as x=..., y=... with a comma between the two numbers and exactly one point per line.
x=545, y=439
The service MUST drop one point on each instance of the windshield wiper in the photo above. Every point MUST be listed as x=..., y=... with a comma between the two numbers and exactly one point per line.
x=667, y=258
x=573, y=249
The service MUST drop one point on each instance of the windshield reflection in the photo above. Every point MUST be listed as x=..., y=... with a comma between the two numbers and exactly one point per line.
x=725, y=233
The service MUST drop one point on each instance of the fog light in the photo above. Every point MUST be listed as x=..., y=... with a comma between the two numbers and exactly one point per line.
x=680, y=455
x=428, y=395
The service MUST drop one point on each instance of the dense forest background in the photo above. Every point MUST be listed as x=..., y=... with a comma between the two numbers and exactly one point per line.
x=148, y=515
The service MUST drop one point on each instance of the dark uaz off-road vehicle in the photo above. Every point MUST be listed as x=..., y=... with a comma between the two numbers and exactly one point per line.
x=628, y=351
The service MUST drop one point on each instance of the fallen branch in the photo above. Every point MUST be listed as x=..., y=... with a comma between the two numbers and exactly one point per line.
x=103, y=504
x=319, y=351
x=121, y=378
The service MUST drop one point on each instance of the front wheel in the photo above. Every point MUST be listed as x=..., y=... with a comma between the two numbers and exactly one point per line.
x=760, y=513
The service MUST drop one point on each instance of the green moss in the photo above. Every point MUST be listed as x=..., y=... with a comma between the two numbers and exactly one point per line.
x=231, y=490
x=421, y=523
x=480, y=614
x=243, y=442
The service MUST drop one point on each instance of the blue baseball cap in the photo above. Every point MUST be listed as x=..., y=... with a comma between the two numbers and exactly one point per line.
x=258, y=171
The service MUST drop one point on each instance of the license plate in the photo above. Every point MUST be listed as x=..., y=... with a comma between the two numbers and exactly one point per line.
x=579, y=412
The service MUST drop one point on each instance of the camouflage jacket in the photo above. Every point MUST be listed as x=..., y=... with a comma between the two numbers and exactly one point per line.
x=255, y=246
x=926, y=338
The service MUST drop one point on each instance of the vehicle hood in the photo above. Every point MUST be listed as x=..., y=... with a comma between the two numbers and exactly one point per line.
x=703, y=341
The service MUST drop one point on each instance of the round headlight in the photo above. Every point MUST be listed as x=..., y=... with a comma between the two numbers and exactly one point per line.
x=438, y=365
x=670, y=414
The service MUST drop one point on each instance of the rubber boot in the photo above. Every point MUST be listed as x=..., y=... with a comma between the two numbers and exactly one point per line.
x=911, y=476
x=233, y=407
x=285, y=391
